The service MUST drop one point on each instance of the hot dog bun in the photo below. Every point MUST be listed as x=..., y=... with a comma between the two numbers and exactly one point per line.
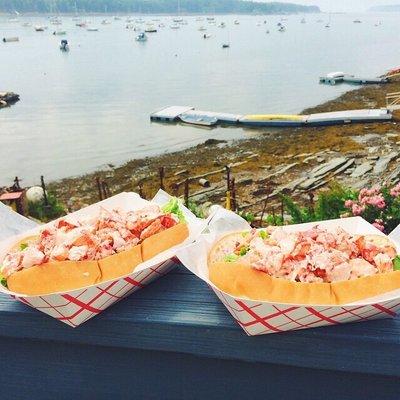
x=60, y=276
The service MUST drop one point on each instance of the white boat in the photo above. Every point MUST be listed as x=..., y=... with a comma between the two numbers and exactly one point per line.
x=258, y=24
x=141, y=37
x=105, y=22
x=92, y=29
x=59, y=33
x=210, y=18
x=40, y=28
x=129, y=26
x=177, y=19
x=10, y=39
x=202, y=28
x=236, y=22
x=81, y=24
x=206, y=36
x=150, y=29
x=226, y=46
x=281, y=29
x=357, y=21
x=13, y=20
x=130, y=19
x=175, y=26
x=161, y=25
x=26, y=24
x=199, y=19
x=222, y=25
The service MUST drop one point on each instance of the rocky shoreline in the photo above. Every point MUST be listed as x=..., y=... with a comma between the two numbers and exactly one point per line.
x=291, y=160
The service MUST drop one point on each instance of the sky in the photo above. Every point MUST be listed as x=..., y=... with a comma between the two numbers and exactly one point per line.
x=343, y=5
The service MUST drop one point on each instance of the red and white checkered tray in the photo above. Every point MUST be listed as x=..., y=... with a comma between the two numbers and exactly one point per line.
x=262, y=317
x=77, y=306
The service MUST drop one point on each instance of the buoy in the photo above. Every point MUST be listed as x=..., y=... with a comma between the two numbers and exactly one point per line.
x=35, y=194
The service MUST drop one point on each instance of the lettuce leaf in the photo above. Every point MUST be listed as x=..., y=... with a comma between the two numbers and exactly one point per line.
x=231, y=258
x=173, y=207
x=3, y=281
x=23, y=246
x=263, y=234
x=396, y=263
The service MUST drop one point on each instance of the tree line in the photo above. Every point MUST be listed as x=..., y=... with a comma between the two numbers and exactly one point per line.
x=153, y=6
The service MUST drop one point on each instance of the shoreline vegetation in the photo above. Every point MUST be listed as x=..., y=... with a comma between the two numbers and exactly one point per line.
x=298, y=162
x=154, y=6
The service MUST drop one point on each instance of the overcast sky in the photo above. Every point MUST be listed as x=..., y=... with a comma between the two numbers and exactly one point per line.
x=343, y=5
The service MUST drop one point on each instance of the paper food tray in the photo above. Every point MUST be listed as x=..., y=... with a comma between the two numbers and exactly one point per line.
x=262, y=317
x=77, y=306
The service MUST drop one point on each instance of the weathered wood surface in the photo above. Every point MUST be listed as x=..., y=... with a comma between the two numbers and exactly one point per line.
x=175, y=338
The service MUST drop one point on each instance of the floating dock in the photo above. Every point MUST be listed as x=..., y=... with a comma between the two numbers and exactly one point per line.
x=340, y=77
x=189, y=115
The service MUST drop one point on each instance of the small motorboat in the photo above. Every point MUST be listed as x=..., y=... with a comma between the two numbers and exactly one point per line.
x=141, y=37
x=226, y=46
x=10, y=39
x=150, y=29
x=93, y=29
x=206, y=36
x=105, y=22
x=202, y=28
x=175, y=26
x=129, y=26
x=222, y=25
x=59, y=33
x=236, y=22
x=81, y=24
x=178, y=20
x=26, y=24
x=210, y=18
x=64, y=45
x=357, y=21
x=40, y=28
x=161, y=25
x=281, y=29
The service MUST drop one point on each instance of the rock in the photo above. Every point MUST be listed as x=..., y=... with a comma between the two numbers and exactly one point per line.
x=383, y=162
x=362, y=169
x=331, y=165
x=212, y=142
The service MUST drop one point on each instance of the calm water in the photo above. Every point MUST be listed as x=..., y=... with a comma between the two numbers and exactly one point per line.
x=91, y=106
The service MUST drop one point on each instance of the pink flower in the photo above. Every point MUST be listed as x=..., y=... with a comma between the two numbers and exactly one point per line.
x=395, y=191
x=348, y=203
x=378, y=224
x=356, y=209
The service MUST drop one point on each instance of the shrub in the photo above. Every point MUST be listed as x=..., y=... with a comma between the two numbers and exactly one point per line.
x=45, y=213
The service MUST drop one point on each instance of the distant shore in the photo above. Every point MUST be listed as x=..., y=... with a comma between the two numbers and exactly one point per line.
x=274, y=160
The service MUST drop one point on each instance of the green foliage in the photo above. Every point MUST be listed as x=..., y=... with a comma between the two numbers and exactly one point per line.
x=249, y=217
x=329, y=205
x=45, y=213
x=275, y=220
x=153, y=6
x=195, y=209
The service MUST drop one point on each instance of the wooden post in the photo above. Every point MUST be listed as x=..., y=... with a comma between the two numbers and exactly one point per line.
x=162, y=176
x=186, y=195
x=99, y=188
x=46, y=200
x=228, y=204
x=140, y=189
x=16, y=185
x=106, y=189
x=233, y=193
x=311, y=196
x=228, y=177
